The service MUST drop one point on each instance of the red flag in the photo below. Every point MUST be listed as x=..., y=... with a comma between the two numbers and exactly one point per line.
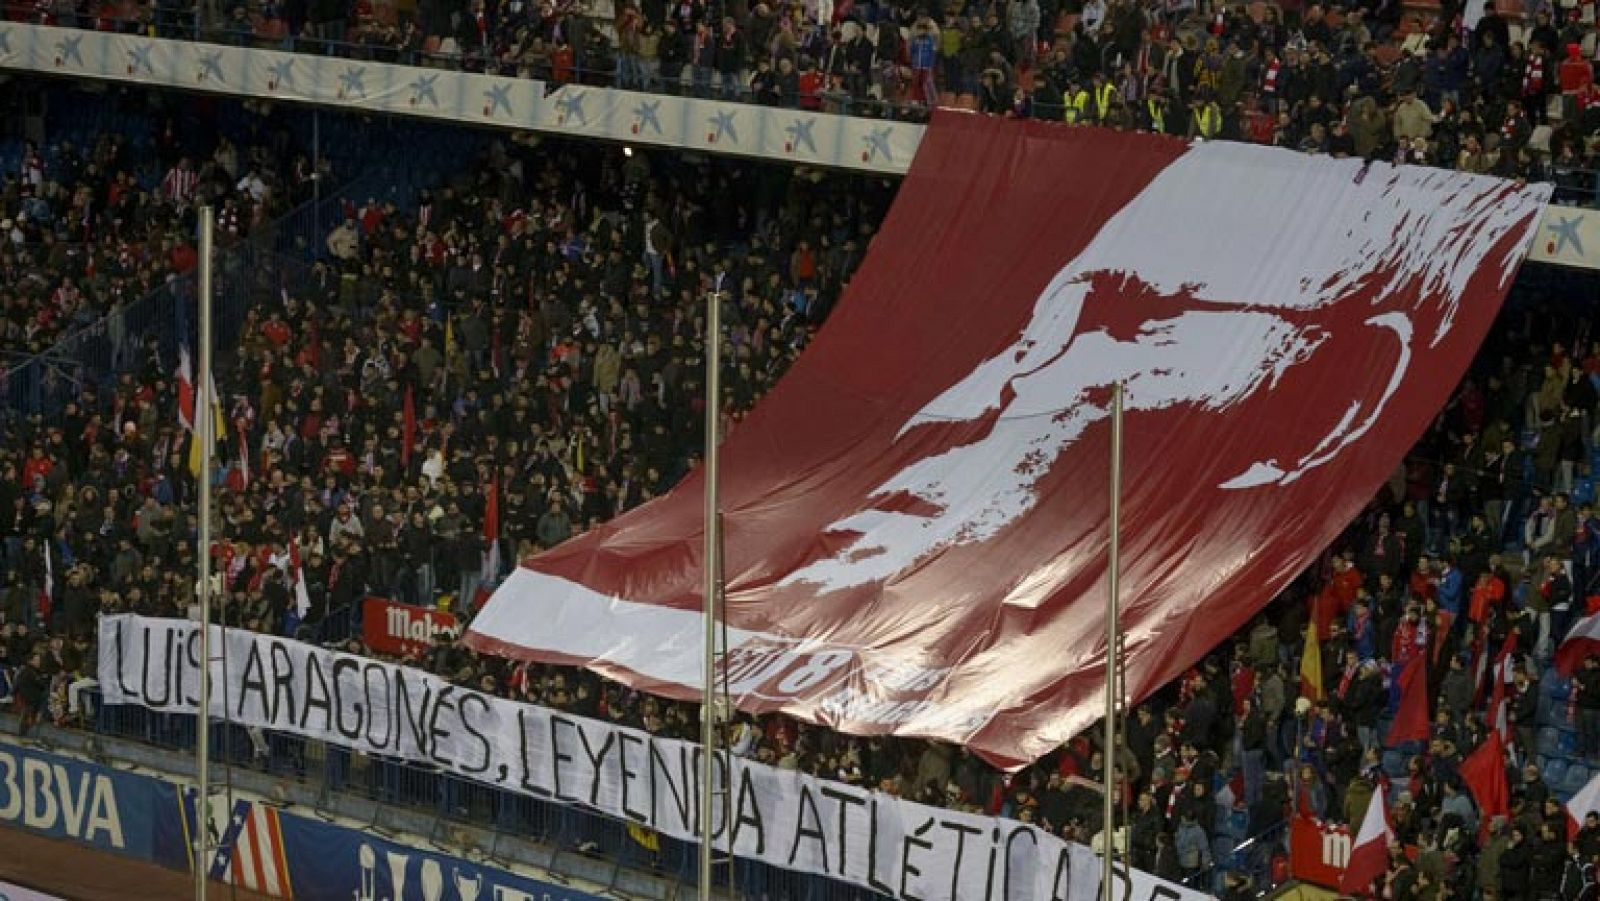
x=408, y=432
x=1369, y=853
x=1411, y=719
x=1484, y=771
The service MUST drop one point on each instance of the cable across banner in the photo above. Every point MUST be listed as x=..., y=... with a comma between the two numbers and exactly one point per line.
x=781, y=817
x=916, y=517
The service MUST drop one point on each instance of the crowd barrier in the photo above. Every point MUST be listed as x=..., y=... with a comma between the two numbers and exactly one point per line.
x=577, y=833
x=261, y=847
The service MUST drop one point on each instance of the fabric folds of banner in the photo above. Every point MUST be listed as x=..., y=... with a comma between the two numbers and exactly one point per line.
x=916, y=517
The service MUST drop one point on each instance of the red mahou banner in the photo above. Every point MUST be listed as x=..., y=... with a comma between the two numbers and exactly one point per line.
x=917, y=516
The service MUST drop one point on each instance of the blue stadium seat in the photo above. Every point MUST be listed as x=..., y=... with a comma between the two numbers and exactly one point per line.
x=1577, y=776
x=1549, y=741
x=1555, y=686
x=1554, y=770
x=1567, y=743
x=1549, y=711
x=1583, y=490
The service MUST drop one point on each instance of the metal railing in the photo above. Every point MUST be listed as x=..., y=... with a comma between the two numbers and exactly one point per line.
x=578, y=838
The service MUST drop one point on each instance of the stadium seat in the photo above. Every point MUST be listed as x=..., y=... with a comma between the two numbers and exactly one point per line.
x=1557, y=686
x=1554, y=770
x=1549, y=741
x=1567, y=742
x=1552, y=711
x=1583, y=490
x=1577, y=776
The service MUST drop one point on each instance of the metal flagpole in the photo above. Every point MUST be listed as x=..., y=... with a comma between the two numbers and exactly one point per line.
x=708, y=734
x=1113, y=637
x=204, y=426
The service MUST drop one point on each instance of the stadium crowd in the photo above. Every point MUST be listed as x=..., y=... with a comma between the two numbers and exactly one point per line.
x=1510, y=91
x=541, y=319
x=85, y=229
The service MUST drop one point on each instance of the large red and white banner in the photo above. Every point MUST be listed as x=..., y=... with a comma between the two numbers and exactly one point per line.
x=916, y=517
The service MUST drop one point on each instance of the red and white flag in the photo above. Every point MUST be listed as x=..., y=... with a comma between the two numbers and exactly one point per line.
x=1369, y=852
x=243, y=468
x=1503, y=674
x=297, y=575
x=185, y=379
x=491, y=537
x=916, y=530
x=1585, y=802
x=1581, y=643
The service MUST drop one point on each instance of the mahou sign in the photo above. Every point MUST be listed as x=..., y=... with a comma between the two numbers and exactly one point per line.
x=390, y=627
x=1318, y=851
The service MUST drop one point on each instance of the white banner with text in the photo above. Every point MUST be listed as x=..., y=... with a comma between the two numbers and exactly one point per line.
x=780, y=817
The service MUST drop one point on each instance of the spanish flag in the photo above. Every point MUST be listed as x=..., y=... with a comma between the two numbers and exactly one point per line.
x=1311, y=665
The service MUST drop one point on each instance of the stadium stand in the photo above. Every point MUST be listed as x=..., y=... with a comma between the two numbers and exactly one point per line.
x=1495, y=87
x=538, y=312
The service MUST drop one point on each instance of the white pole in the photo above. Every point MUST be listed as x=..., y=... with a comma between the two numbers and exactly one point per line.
x=203, y=424
x=708, y=727
x=1113, y=573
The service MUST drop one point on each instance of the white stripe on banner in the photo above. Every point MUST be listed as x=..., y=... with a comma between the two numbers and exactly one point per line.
x=777, y=816
x=9, y=892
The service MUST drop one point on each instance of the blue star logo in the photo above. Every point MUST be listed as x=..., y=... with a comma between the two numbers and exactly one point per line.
x=799, y=132
x=67, y=49
x=571, y=106
x=648, y=114
x=422, y=89
x=1566, y=232
x=211, y=67
x=282, y=74
x=5, y=40
x=352, y=81
x=877, y=141
x=139, y=58
x=723, y=123
x=498, y=97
